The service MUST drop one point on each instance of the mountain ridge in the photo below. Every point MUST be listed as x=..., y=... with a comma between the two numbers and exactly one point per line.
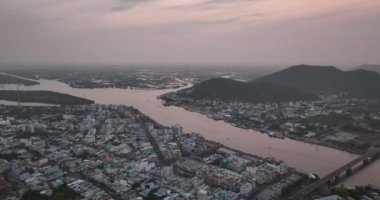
x=295, y=83
x=327, y=80
x=232, y=90
x=375, y=68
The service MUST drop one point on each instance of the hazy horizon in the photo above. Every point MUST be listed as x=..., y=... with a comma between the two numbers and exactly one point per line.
x=276, y=33
x=180, y=67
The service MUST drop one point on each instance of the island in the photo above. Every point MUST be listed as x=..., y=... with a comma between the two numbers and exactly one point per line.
x=9, y=79
x=47, y=97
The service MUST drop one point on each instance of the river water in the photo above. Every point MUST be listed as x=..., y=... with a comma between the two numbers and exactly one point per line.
x=310, y=157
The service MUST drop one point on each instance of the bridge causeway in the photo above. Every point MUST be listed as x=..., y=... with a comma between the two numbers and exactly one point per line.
x=366, y=158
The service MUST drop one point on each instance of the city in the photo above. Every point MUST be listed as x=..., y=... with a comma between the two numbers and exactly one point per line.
x=189, y=100
x=115, y=152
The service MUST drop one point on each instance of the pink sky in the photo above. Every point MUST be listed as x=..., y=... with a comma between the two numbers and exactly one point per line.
x=279, y=32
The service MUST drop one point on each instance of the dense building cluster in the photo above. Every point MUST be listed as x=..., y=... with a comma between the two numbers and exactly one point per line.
x=115, y=152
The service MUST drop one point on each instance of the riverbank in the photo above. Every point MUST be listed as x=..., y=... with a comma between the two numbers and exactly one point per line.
x=9, y=79
x=329, y=145
x=263, y=131
x=314, y=158
x=46, y=97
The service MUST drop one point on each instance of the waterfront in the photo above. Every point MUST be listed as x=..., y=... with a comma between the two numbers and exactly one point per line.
x=314, y=158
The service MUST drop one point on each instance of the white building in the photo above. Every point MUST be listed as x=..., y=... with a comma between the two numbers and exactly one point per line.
x=90, y=137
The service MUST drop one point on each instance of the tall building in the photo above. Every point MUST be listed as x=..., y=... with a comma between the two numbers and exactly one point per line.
x=177, y=129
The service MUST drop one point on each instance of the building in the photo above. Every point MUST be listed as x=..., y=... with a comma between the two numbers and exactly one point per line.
x=90, y=137
x=177, y=130
x=235, y=163
x=4, y=166
x=226, y=152
x=280, y=166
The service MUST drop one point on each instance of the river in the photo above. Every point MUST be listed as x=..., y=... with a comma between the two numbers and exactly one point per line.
x=310, y=157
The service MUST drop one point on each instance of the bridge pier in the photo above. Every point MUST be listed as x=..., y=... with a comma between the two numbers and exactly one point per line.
x=365, y=162
x=336, y=179
x=348, y=172
x=329, y=183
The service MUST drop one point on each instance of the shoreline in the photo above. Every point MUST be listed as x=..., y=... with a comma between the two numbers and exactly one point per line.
x=300, y=139
x=42, y=97
x=292, y=169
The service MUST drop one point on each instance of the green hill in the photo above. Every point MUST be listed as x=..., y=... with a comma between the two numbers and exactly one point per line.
x=375, y=68
x=326, y=80
x=231, y=90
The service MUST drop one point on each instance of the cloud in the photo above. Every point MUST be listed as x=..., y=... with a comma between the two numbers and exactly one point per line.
x=119, y=8
x=220, y=1
x=221, y=31
x=127, y=4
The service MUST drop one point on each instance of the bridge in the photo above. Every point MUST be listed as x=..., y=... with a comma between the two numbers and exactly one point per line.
x=334, y=176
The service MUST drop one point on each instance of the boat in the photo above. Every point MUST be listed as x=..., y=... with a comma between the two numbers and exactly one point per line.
x=276, y=135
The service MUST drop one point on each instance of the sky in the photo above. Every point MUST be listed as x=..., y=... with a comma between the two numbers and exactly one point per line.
x=190, y=32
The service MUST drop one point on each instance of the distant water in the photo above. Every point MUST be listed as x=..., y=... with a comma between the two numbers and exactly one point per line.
x=314, y=158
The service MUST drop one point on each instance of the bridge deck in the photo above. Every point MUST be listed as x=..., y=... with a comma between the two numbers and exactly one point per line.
x=314, y=186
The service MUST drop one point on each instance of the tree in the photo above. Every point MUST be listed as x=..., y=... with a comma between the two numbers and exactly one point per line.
x=341, y=192
x=33, y=195
x=65, y=193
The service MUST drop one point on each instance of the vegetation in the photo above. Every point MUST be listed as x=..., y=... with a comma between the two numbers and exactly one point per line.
x=356, y=145
x=340, y=191
x=37, y=133
x=152, y=196
x=79, y=77
x=61, y=193
x=65, y=193
x=354, y=129
x=9, y=157
x=43, y=97
x=331, y=120
x=33, y=195
x=5, y=79
x=357, y=192
x=231, y=90
x=297, y=83
x=327, y=80
x=287, y=190
x=84, y=155
x=374, y=124
x=375, y=68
